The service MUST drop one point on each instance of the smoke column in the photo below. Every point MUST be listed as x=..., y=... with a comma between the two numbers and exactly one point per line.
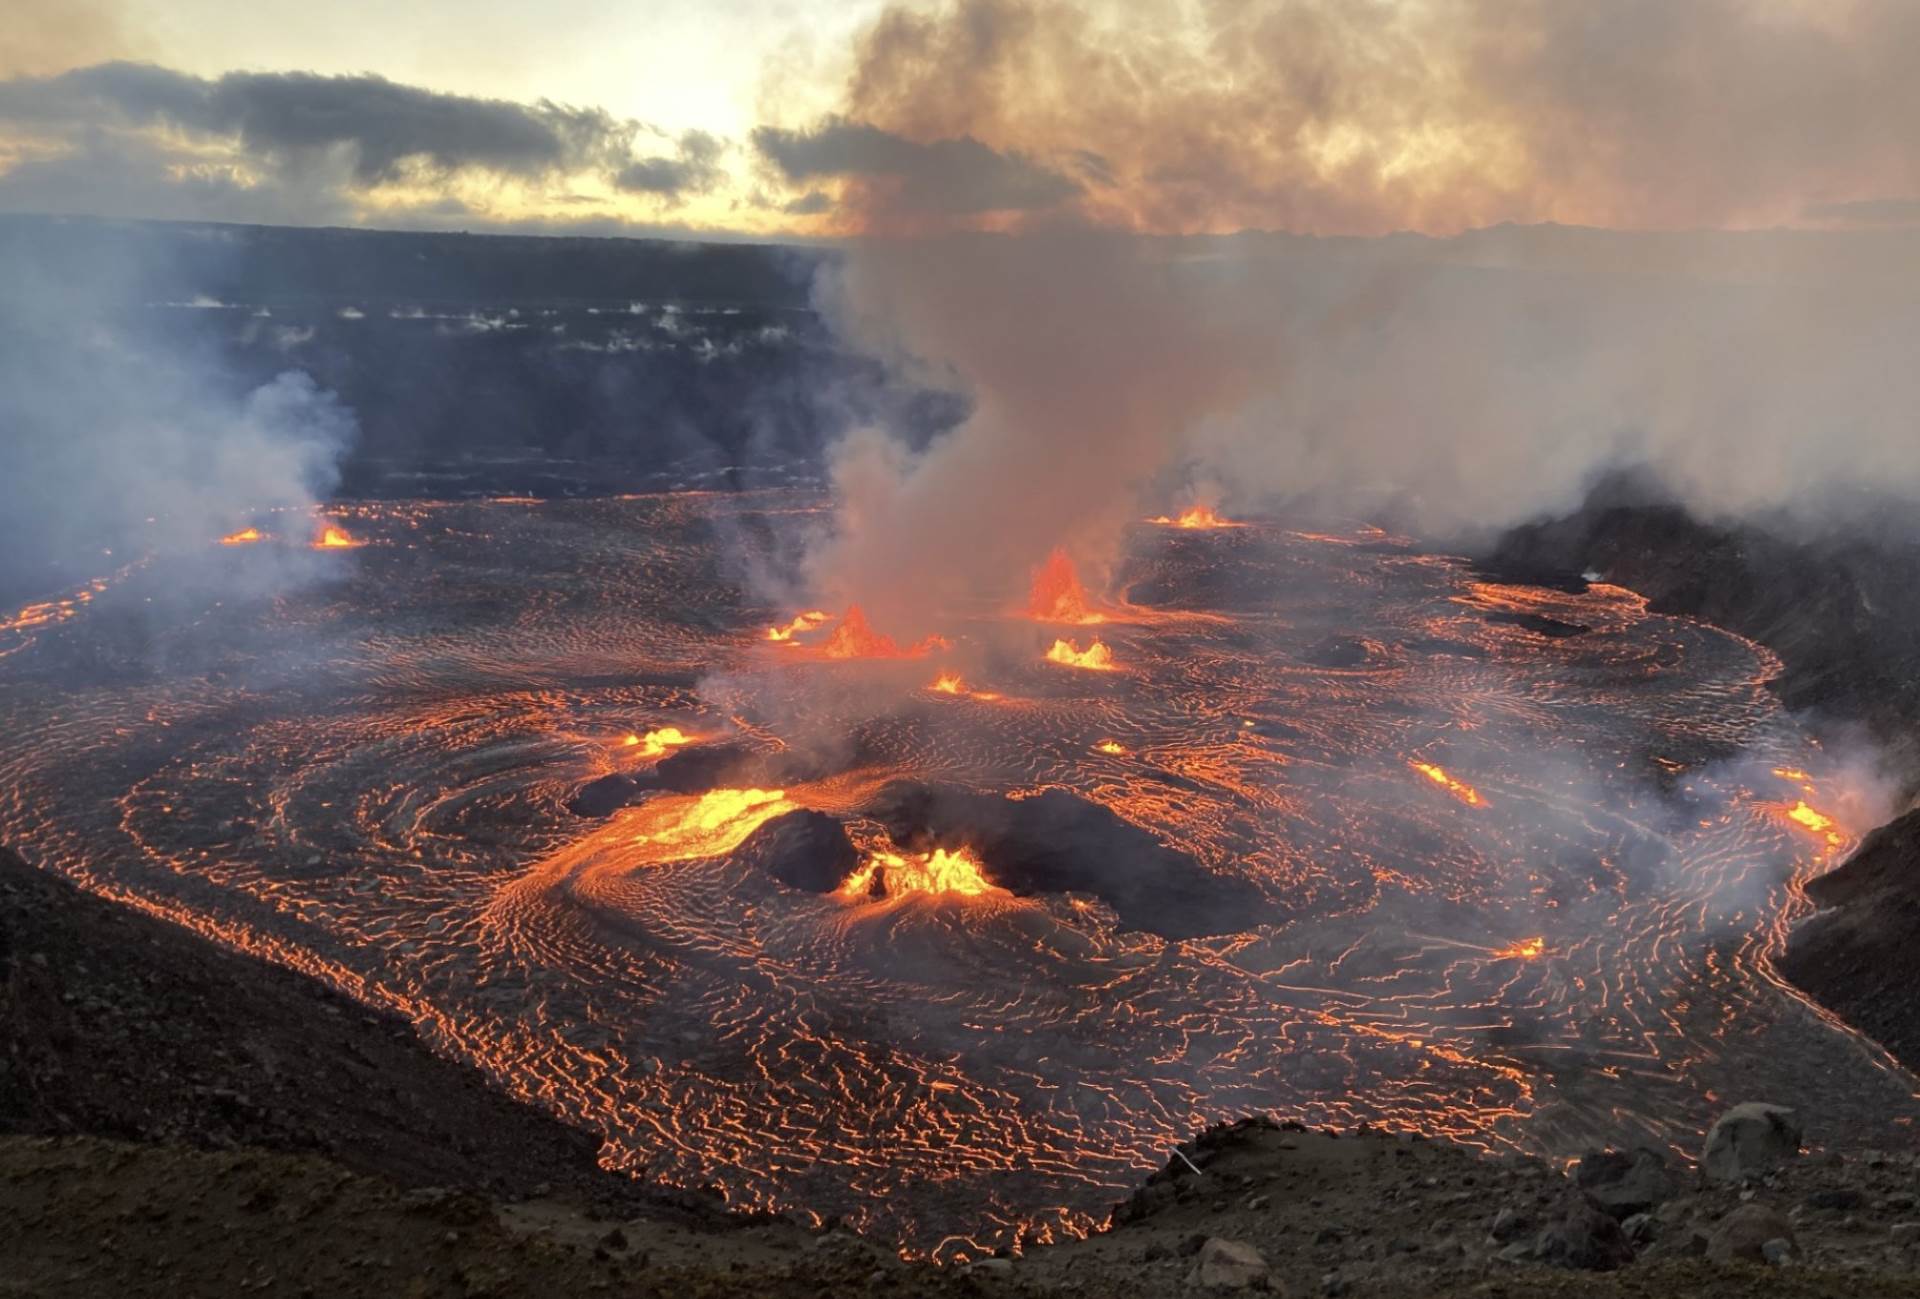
x=120, y=440
x=1454, y=385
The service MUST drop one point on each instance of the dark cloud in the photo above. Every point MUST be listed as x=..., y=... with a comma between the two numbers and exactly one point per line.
x=958, y=175
x=297, y=118
x=694, y=170
x=111, y=176
x=812, y=203
x=138, y=140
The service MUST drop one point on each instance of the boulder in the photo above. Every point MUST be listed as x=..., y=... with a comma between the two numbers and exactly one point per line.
x=1584, y=1236
x=1749, y=1140
x=1229, y=1265
x=1742, y=1236
x=1507, y=1225
x=1626, y=1182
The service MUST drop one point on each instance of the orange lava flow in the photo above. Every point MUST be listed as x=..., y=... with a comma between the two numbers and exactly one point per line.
x=1095, y=657
x=948, y=683
x=1113, y=747
x=1527, y=949
x=333, y=537
x=1196, y=517
x=1057, y=595
x=942, y=871
x=685, y=827
x=656, y=742
x=1438, y=775
x=242, y=537
x=1816, y=821
x=807, y=621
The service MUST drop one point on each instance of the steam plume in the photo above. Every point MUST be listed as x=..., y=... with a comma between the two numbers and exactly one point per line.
x=116, y=437
x=1460, y=384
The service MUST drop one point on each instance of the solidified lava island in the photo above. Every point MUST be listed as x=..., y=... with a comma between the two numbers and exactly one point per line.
x=954, y=937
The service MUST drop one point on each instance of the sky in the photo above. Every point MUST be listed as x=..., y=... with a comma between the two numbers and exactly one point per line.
x=803, y=118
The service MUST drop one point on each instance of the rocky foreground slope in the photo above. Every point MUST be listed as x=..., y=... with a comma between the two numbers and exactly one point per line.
x=183, y=1120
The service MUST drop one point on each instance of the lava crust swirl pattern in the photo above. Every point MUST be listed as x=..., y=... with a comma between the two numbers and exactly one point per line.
x=1514, y=861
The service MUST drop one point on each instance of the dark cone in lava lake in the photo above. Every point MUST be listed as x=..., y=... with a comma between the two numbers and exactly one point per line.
x=803, y=849
x=1057, y=842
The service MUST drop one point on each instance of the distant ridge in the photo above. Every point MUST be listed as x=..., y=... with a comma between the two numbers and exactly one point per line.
x=292, y=264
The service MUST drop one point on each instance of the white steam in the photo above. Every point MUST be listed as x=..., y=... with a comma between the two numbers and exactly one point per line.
x=1456, y=386
x=118, y=437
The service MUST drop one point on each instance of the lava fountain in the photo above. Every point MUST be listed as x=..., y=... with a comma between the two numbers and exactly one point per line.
x=1196, y=518
x=940, y=872
x=1056, y=594
x=656, y=743
x=1096, y=657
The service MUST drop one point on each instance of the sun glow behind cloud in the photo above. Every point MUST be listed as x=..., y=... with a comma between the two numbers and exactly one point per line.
x=764, y=117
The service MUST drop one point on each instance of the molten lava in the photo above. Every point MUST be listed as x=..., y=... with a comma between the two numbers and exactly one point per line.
x=1527, y=949
x=656, y=742
x=807, y=621
x=1438, y=775
x=942, y=871
x=948, y=683
x=1057, y=595
x=1196, y=517
x=684, y=827
x=243, y=537
x=334, y=537
x=1096, y=657
x=854, y=639
x=1816, y=821
x=1113, y=747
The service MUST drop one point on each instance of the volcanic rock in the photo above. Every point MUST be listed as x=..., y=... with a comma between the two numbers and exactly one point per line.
x=1540, y=624
x=1748, y=1140
x=1835, y=612
x=1057, y=842
x=603, y=797
x=1839, y=1198
x=804, y=850
x=1507, y=1225
x=703, y=767
x=1857, y=954
x=1583, y=1236
x=114, y=1022
x=1229, y=1265
x=1742, y=1236
x=1626, y=1182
